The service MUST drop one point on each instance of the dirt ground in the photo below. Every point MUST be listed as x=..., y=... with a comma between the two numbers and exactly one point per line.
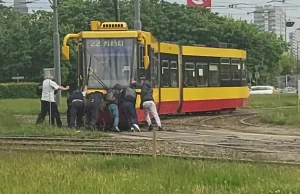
x=229, y=137
x=236, y=135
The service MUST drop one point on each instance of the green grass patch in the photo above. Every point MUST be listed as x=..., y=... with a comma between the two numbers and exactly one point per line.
x=27, y=106
x=272, y=101
x=288, y=116
x=10, y=125
x=69, y=174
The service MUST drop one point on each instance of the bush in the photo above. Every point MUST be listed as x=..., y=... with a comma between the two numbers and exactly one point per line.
x=20, y=90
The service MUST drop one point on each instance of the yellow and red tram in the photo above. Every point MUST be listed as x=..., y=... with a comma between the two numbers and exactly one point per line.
x=185, y=79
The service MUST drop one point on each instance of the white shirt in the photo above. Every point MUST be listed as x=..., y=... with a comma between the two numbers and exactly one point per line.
x=49, y=87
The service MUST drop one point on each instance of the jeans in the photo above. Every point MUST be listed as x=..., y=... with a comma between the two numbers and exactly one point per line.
x=114, y=113
x=130, y=112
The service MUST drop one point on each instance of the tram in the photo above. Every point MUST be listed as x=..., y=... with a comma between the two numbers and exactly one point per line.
x=185, y=79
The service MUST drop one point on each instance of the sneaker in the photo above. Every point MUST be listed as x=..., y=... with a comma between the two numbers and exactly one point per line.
x=160, y=129
x=132, y=129
x=150, y=128
x=135, y=126
x=117, y=129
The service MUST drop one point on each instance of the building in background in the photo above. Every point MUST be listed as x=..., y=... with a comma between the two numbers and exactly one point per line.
x=294, y=37
x=200, y=3
x=21, y=6
x=271, y=18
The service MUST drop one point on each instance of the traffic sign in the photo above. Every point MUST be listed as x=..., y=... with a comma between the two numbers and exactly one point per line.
x=250, y=75
x=17, y=77
x=257, y=75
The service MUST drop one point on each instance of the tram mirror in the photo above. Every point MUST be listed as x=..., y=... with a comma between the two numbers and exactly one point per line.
x=65, y=53
x=146, y=62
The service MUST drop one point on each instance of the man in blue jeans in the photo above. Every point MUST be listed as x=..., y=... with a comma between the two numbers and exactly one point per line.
x=112, y=99
x=128, y=100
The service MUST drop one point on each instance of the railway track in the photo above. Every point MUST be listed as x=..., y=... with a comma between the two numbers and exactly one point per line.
x=113, y=147
x=107, y=147
x=196, y=125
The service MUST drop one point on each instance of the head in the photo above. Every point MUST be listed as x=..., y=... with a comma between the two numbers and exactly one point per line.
x=117, y=87
x=49, y=77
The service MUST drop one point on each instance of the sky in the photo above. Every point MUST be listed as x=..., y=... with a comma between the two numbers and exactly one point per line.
x=292, y=8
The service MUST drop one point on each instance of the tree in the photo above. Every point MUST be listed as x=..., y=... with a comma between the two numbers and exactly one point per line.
x=26, y=39
x=287, y=65
x=14, y=44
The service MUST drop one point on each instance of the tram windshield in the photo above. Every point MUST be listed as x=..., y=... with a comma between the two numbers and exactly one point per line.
x=109, y=60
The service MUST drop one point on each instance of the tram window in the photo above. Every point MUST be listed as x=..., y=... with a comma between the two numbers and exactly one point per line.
x=165, y=72
x=142, y=71
x=141, y=56
x=154, y=73
x=213, y=74
x=244, y=70
x=174, y=74
x=236, y=69
x=225, y=68
x=135, y=67
x=201, y=74
x=189, y=76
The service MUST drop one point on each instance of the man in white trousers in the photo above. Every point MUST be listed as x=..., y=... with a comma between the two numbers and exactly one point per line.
x=147, y=102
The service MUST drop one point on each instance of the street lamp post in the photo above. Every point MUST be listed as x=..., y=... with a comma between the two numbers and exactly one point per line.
x=297, y=63
x=137, y=17
x=56, y=44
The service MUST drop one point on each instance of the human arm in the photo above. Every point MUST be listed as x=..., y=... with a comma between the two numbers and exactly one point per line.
x=57, y=87
x=63, y=88
x=136, y=84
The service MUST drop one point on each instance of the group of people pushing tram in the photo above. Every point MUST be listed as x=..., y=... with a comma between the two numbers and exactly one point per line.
x=96, y=101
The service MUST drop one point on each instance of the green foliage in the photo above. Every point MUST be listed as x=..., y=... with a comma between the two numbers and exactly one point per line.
x=288, y=64
x=26, y=40
x=20, y=90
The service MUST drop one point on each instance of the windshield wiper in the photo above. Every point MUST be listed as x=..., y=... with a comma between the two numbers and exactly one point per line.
x=95, y=76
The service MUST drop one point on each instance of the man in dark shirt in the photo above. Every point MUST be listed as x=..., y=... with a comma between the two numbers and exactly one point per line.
x=76, y=108
x=93, y=108
x=147, y=102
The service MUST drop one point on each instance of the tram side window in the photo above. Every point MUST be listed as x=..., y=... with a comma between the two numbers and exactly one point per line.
x=236, y=69
x=165, y=73
x=225, y=68
x=174, y=74
x=244, y=70
x=142, y=71
x=154, y=72
x=213, y=74
x=201, y=74
x=189, y=76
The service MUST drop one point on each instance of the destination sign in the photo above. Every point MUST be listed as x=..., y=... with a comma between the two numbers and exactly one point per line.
x=107, y=43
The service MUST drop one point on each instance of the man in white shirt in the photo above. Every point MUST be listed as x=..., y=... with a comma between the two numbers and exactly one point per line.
x=48, y=102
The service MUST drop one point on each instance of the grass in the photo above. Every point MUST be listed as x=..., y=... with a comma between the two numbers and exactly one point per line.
x=272, y=101
x=288, y=116
x=10, y=125
x=70, y=174
x=27, y=106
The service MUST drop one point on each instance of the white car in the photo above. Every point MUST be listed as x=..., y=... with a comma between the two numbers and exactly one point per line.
x=262, y=90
